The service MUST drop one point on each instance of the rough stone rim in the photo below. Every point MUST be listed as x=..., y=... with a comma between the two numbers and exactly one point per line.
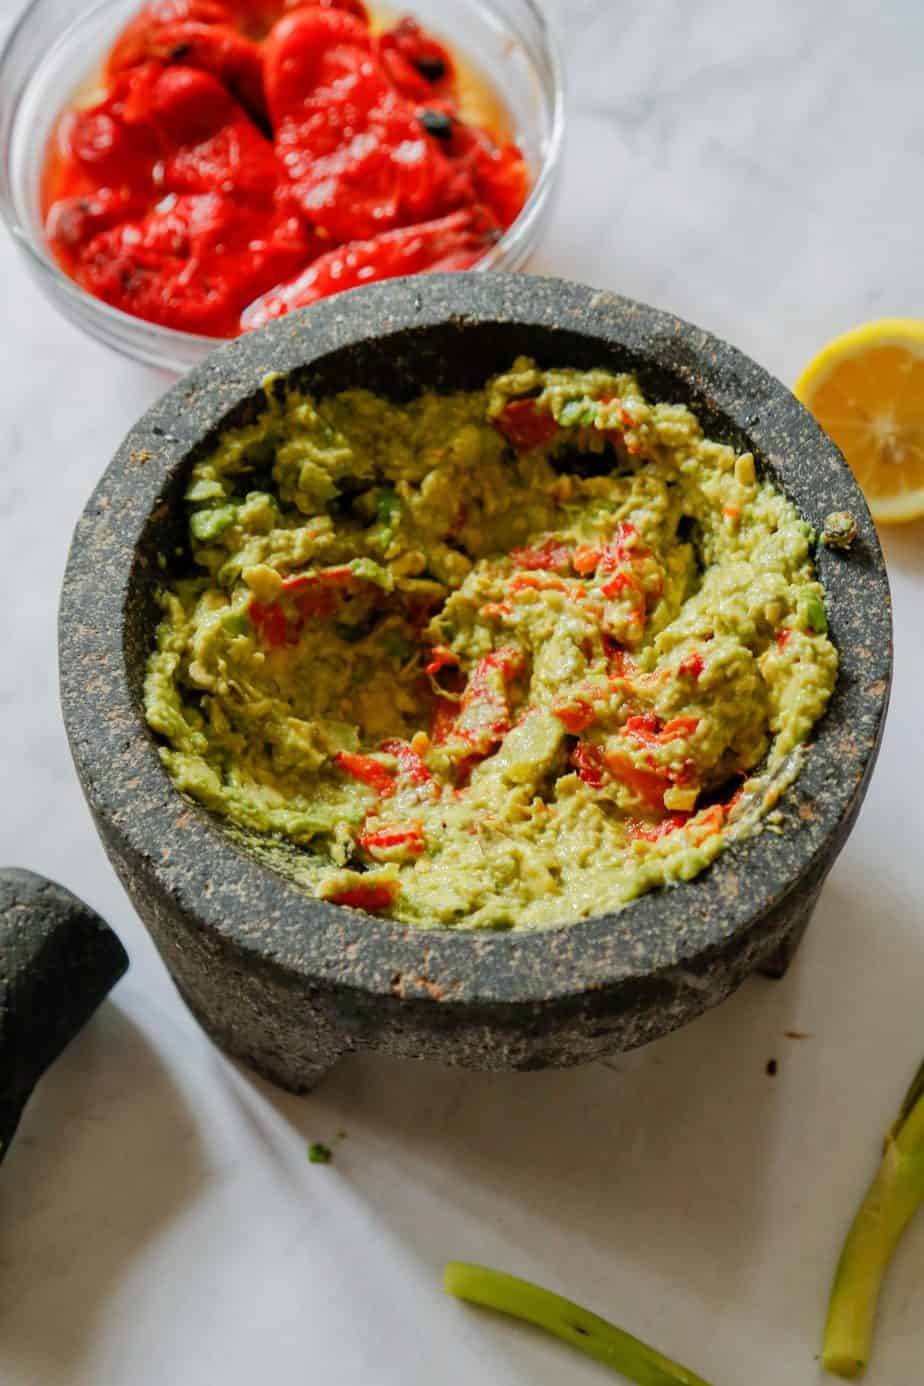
x=253, y=910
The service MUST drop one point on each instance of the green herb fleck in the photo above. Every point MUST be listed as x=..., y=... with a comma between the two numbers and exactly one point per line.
x=319, y=1154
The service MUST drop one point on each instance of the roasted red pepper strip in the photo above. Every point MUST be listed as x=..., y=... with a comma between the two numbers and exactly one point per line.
x=359, y=159
x=710, y=821
x=500, y=174
x=484, y=712
x=678, y=729
x=649, y=730
x=647, y=784
x=134, y=43
x=235, y=61
x=589, y=763
x=620, y=584
x=621, y=663
x=651, y=832
x=574, y=714
x=213, y=145
x=411, y=768
x=419, y=66
x=525, y=426
x=326, y=577
x=270, y=623
x=372, y=897
x=692, y=666
x=316, y=594
x=453, y=243
x=444, y=719
x=193, y=265
x=408, y=836
x=111, y=146
x=532, y=582
x=550, y=554
x=368, y=770
x=645, y=728
x=585, y=558
x=441, y=659
x=73, y=222
x=202, y=254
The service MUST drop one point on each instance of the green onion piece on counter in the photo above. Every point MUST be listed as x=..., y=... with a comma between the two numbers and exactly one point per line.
x=890, y=1203
x=593, y=1336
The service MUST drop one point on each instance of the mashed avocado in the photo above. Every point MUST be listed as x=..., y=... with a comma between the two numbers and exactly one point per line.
x=500, y=659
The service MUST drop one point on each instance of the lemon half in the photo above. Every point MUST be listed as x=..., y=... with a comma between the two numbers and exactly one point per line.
x=866, y=389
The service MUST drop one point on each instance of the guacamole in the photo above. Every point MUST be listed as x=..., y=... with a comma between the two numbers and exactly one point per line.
x=495, y=659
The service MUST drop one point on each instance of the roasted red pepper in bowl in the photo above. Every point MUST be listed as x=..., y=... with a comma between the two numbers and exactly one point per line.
x=247, y=157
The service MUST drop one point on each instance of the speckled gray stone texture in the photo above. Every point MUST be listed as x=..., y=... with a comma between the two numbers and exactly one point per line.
x=288, y=983
x=58, y=960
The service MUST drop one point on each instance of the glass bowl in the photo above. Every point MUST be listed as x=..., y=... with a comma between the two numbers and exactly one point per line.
x=56, y=46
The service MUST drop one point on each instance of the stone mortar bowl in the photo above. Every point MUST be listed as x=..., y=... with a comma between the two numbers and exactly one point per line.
x=289, y=983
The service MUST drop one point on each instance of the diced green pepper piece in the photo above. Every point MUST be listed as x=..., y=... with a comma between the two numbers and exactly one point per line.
x=370, y=571
x=236, y=623
x=208, y=525
x=205, y=489
x=578, y=412
x=388, y=506
x=813, y=612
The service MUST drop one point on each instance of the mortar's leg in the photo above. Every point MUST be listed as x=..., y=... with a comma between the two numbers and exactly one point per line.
x=296, y=1066
x=777, y=964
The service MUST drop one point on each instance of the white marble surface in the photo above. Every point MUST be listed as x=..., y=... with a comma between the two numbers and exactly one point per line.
x=759, y=169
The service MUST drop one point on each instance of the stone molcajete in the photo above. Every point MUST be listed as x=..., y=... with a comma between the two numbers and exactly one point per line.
x=289, y=983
